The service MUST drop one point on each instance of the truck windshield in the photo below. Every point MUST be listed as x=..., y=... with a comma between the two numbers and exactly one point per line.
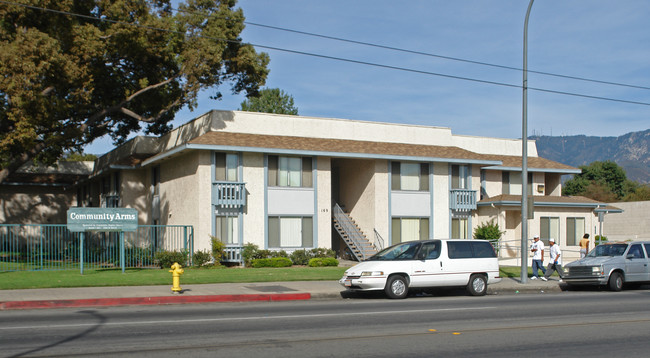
x=608, y=250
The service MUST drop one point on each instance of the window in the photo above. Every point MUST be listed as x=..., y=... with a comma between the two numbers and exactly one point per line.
x=227, y=230
x=636, y=252
x=290, y=171
x=511, y=183
x=410, y=176
x=470, y=249
x=290, y=232
x=227, y=167
x=575, y=229
x=459, y=228
x=549, y=227
x=409, y=229
x=459, y=174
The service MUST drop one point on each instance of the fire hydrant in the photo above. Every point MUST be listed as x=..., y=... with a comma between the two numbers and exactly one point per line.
x=176, y=271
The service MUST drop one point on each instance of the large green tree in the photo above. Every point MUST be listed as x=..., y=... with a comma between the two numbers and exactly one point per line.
x=72, y=71
x=270, y=100
x=603, y=181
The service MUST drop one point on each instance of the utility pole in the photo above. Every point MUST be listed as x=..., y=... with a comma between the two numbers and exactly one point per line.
x=524, y=158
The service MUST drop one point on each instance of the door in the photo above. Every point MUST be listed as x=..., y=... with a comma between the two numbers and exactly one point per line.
x=636, y=264
x=427, y=267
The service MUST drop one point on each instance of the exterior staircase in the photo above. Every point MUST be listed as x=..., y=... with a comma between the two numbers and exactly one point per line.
x=352, y=235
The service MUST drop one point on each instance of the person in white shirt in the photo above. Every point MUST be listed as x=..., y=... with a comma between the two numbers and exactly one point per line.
x=556, y=261
x=537, y=248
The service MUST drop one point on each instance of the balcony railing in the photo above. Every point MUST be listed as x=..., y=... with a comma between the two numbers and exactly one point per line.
x=462, y=199
x=229, y=194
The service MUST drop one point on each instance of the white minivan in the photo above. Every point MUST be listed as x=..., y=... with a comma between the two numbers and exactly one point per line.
x=426, y=264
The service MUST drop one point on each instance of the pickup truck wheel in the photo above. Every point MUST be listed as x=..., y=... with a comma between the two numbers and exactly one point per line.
x=477, y=285
x=615, y=282
x=396, y=287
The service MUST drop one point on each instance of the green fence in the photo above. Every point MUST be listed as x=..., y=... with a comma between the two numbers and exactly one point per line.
x=54, y=247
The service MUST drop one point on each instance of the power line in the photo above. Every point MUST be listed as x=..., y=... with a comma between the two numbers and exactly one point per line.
x=341, y=59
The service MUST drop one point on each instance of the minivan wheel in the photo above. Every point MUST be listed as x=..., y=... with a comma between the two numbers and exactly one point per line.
x=615, y=282
x=396, y=287
x=477, y=285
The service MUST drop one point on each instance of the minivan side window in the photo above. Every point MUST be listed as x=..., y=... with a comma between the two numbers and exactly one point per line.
x=429, y=251
x=468, y=249
x=459, y=250
x=483, y=249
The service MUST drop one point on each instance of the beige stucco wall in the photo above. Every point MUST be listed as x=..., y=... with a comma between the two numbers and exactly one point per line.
x=497, y=146
x=34, y=204
x=382, y=216
x=357, y=192
x=632, y=224
x=323, y=216
x=265, y=123
x=186, y=182
x=441, y=222
x=136, y=193
x=253, y=217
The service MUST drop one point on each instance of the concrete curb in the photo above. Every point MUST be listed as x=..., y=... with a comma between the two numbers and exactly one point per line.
x=128, y=301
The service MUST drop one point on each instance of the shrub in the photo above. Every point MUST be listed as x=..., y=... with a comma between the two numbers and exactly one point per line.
x=201, y=258
x=248, y=253
x=489, y=231
x=218, y=248
x=300, y=257
x=322, y=252
x=323, y=261
x=165, y=259
x=271, y=262
x=600, y=239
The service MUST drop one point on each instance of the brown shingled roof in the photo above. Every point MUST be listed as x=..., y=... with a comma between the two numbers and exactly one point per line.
x=533, y=162
x=335, y=145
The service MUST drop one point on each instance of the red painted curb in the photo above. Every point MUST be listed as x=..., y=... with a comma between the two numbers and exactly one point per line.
x=163, y=300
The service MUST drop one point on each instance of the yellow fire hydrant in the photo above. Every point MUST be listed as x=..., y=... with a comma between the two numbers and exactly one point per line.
x=176, y=271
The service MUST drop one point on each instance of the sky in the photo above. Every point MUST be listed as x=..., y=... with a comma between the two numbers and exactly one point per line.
x=599, y=40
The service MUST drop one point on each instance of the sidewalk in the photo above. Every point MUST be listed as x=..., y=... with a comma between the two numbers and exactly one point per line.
x=224, y=292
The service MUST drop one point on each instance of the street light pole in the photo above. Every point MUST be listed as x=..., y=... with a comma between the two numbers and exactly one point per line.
x=524, y=158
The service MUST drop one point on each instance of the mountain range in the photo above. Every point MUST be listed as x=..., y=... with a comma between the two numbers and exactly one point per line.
x=629, y=151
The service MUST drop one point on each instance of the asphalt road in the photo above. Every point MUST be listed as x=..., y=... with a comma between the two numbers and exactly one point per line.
x=583, y=323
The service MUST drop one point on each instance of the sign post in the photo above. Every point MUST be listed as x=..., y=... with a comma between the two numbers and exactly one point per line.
x=102, y=219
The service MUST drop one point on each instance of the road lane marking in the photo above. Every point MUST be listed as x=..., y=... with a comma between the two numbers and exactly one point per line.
x=265, y=317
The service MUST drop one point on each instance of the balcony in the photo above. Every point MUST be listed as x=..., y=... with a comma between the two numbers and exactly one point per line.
x=462, y=199
x=229, y=194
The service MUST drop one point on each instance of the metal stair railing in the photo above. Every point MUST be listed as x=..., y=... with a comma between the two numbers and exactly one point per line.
x=379, y=241
x=355, y=238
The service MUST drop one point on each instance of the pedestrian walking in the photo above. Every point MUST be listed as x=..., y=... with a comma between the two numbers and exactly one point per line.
x=584, y=245
x=556, y=261
x=537, y=248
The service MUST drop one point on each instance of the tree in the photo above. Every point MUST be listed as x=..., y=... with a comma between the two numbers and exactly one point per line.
x=604, y=181
x=270, y=100
x=73, y=71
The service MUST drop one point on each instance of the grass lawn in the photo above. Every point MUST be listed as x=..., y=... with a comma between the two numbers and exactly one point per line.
x=143, y=277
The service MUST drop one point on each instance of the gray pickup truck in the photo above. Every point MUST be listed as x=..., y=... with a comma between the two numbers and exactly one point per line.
x=611, y=265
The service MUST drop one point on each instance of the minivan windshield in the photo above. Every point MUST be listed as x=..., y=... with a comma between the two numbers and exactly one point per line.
x=403, y=251
x=608, y=250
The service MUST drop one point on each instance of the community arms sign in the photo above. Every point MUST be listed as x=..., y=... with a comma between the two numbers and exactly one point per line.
x=102, y=219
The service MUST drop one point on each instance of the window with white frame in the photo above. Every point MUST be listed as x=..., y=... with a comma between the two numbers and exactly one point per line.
x=549, y=227
x=410, y=176
x=575, y=229
x=290, y=171
x=459, y=228
x=227, y=229
x=227, y=167
x=409, y=229
x=290, y=232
